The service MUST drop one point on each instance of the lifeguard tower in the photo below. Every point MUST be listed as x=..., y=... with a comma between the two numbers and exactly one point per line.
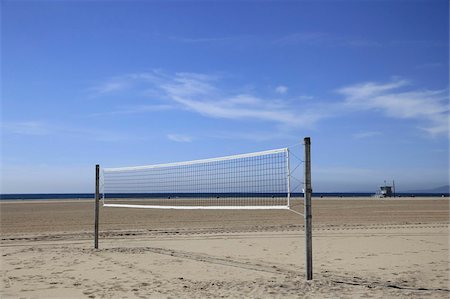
x=386, y=191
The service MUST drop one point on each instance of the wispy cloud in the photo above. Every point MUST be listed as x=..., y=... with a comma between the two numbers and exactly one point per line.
x=121, y=83
x=112, y=86
x=179, y=138
x=304, y=38
x=52, y=130
x=418, y=43
x=207, y=95
x=428, y=106
x=281, y=89
x=33, y=127
x=199, y=94
x=323, y=39
x=202, y=94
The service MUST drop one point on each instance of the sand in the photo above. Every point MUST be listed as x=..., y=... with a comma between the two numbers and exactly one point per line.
x=362, y=248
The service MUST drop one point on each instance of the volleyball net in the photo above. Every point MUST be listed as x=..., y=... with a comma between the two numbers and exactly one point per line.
x=260, y=180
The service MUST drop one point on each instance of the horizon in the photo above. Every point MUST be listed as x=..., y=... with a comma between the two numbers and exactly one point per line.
x=431, y=190
x=403, y=192
x=136, y=83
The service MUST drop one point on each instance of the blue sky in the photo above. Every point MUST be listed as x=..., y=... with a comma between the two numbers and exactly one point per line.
x=140, y=82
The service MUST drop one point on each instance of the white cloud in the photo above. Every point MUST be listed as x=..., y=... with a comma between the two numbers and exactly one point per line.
x=37, y=128
x=197, y=93
x=203, y=94
x=281, y=89
x=109, y=87
x=206, y=95
x=368, y=89
x=53, y=130
x=324, y=39
x=122, y=83
x=179, y=138
x=428, y=106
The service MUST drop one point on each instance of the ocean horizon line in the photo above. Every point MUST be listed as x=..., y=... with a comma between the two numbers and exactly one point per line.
x=68, y=196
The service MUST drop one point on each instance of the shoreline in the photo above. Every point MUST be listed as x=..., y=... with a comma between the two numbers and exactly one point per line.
x=338, y=198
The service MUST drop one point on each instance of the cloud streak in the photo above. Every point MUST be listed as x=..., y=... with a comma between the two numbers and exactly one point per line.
x=323, y=39
x=202, y=94
x=428, y=106
x=41, y=129
x=198, y=93
x=281, y=89
x=32, y=128
x=179, y=138
x=206, y=95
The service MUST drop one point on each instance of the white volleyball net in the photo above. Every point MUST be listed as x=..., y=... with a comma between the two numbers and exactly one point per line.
x=260, y=180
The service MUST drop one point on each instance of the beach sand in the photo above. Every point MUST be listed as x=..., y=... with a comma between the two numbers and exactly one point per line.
x=362, y=247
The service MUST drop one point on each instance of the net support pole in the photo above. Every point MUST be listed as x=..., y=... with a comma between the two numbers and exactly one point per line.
x=288, y=179
x=307, y=213
x=97, y=199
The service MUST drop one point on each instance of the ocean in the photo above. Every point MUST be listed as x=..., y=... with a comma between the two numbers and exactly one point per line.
x=71, y=196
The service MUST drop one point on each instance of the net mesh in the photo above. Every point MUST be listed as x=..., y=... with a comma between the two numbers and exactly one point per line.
x=250, y=181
